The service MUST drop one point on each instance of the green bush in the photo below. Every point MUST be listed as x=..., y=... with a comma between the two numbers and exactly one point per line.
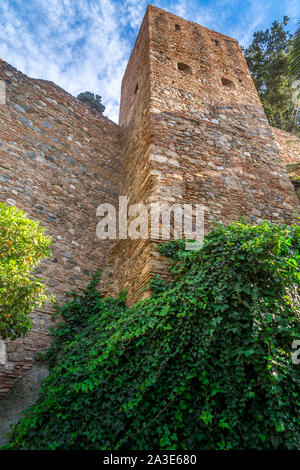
x=205, y=363
x=92, y=100
x=23, y=245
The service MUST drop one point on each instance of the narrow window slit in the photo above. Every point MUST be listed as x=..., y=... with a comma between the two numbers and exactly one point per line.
x=228, y=83
x=184, y=68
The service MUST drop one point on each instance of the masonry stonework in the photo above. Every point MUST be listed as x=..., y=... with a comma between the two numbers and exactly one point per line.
x=58, y=161
x=192, y=130
x=289, y=146
x=195, y=132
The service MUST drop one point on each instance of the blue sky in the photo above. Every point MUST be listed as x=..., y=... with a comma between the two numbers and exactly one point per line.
x=85, y=44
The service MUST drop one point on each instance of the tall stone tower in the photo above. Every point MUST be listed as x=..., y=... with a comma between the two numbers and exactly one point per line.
x=192, y=130
x=196, y=132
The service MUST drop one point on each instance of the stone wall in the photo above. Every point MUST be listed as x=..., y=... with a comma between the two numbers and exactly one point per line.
x=23, y=394
x=129, y=260
x=192, y=130
x=58, y=161
x=205, y=138
x=210, y=117
x=289, y=146
x=290, y=154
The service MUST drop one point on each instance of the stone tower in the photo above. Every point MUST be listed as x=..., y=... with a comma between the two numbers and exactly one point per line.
x=192, y=130
x=195, y=132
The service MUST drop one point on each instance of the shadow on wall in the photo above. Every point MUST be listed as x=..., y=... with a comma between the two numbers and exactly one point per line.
x=23, y=394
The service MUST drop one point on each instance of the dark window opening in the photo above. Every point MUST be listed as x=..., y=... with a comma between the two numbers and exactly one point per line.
x=136, y=88
x=184, y=67
x=217, y=43
x=228, y=83
x=177, y=27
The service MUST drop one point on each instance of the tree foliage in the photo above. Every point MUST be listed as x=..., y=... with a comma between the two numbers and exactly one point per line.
x=92, y=100
x=205, y=363
x=23, y=244
x=295, y=56
x=268, y=58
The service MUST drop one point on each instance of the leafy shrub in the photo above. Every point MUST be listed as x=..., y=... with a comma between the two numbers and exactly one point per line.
x=205, y=363
x=23, y=245
x=92, y=100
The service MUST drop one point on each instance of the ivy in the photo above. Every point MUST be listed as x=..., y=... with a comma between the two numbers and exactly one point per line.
x=204, y=363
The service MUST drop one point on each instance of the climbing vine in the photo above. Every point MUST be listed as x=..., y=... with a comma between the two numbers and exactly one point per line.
x=204, y=363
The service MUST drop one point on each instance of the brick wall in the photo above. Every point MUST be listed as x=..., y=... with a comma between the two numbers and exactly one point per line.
x=128, y=262
x=289, y=146
x=58, y=161
x=192, y=130
x=290, y=154
x=205, y=138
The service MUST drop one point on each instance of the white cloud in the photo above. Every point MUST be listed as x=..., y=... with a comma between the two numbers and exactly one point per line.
x=180, y=8
x=133, y=12
x=85, y=44
x=293, y=11
x=78, y=45
x=257, y=13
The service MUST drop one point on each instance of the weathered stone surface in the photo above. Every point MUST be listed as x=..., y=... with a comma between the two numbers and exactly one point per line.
x=23, y=394
x=192, y=130
x=196, y=132
x=290, y=154
x=58, y=161
x=289, y=146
